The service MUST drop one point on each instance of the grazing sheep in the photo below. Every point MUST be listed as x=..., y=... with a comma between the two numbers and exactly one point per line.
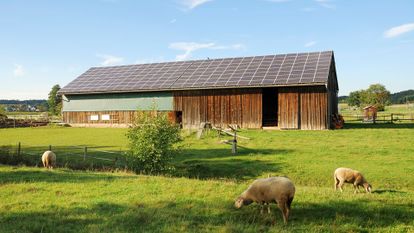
x=49, y=159
x=347, y=175
x=278, y=190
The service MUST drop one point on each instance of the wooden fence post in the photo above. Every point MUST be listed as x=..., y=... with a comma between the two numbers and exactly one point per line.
x=392, y=118
x=85, y=152
x=50, y=147
x=18, y=149
x=234, y=144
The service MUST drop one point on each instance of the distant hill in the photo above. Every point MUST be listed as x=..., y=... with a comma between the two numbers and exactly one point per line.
x=402, y=97
x=342, y=99
x=28, y=102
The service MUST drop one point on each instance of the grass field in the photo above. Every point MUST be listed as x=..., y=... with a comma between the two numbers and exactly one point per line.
x=198, y=197
x=395, y=108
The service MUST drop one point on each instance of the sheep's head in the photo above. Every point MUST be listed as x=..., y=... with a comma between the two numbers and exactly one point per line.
x=367, y=187
x=241, y=202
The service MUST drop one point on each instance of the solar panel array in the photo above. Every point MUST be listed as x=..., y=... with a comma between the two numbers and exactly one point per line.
x=273, y=70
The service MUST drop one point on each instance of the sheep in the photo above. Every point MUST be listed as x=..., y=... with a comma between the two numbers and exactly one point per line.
x=49, y=159
x=279, y=190
x=347, y=175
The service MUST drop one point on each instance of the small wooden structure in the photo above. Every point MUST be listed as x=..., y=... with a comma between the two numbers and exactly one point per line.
x=370, y=113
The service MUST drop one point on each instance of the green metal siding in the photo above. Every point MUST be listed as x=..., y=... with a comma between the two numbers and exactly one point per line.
x=118, y=102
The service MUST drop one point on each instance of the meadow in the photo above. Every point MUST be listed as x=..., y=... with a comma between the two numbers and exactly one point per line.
x=199, y=195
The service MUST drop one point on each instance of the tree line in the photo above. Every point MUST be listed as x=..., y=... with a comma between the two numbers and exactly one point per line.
x=53, y=104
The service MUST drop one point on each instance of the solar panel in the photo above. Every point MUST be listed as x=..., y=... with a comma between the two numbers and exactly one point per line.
x=272, y=70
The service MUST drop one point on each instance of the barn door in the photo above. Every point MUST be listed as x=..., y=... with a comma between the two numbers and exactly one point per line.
x=288, y=102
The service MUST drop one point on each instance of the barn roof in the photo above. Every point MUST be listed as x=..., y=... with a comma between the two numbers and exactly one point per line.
x=240, y=72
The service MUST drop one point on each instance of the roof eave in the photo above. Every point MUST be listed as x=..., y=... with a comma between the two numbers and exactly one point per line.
x=62, y=92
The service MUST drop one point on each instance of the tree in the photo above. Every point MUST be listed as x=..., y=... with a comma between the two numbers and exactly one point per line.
x=2, y=110
x=54, y=101
x=152, y=143
x=376, y=94
x=379, y=96
x=354, y=98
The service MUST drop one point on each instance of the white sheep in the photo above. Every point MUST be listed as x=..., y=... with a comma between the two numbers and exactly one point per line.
x=49, y=159
x=347, y=175
x=278, y=190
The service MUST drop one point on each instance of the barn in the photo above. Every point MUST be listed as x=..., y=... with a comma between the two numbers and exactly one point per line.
x=284, y=91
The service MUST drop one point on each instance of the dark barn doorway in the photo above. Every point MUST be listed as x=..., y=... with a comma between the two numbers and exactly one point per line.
x=269, y=107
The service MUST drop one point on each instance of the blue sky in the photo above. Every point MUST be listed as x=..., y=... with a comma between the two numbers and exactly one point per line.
x=44, y=42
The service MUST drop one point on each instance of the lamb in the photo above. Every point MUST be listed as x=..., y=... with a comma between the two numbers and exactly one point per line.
x=347, y=175
x=49, y=159
x=279, y=190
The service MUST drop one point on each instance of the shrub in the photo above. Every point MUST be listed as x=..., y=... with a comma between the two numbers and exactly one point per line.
x=152, y=143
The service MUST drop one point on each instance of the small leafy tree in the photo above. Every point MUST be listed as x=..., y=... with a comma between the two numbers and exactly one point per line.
x=152, y=143
x=354, y=98
x=2, y=110
x=54, y=101
x=376, y=94
x=379, y=96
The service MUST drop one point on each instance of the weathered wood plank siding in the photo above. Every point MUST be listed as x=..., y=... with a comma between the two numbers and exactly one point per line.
x=303, y=108
x=313, y=108
x=288, y=112
x=220, y=107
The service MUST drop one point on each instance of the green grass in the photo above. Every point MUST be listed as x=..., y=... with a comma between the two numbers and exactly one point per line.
x=198, y=197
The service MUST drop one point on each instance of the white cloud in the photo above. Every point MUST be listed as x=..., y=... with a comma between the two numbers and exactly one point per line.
x=110, y=60
x=308, y=9
x=399, y=30
x=310, y=44
x=173, y=21
x=191, y=4
x=326, y=4
x=278, y=1
x=18, y=70
x=149, y=60
x=190, y=47
x=233, y=47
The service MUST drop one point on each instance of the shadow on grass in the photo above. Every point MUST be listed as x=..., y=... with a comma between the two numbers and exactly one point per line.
x=379, y=126
x=365, y=214
x=220, y=163
x=198, y=216
x=381, y=191
x=60, y=176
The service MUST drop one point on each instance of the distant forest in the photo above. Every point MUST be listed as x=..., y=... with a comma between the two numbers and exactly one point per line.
x=28, y=102
x=401, y=97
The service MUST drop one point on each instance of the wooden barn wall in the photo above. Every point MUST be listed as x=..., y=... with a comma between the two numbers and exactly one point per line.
x=303, y=108
x=220, y=107
x=288, y=108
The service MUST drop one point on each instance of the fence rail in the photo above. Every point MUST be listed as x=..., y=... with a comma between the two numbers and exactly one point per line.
x=78, y=157
x=387, y=118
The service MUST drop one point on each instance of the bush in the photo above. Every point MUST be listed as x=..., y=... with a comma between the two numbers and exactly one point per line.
x=152, y=143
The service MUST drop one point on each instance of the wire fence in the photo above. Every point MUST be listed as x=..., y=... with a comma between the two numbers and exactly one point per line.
x=385, y=118
x=74, y=157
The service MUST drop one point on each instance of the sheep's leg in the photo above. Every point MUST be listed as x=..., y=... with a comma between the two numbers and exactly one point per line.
x=285, y=213
x=261, y=208
x=287, y=208
x=336, y=183
x=268, y=208
x=341, y=183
